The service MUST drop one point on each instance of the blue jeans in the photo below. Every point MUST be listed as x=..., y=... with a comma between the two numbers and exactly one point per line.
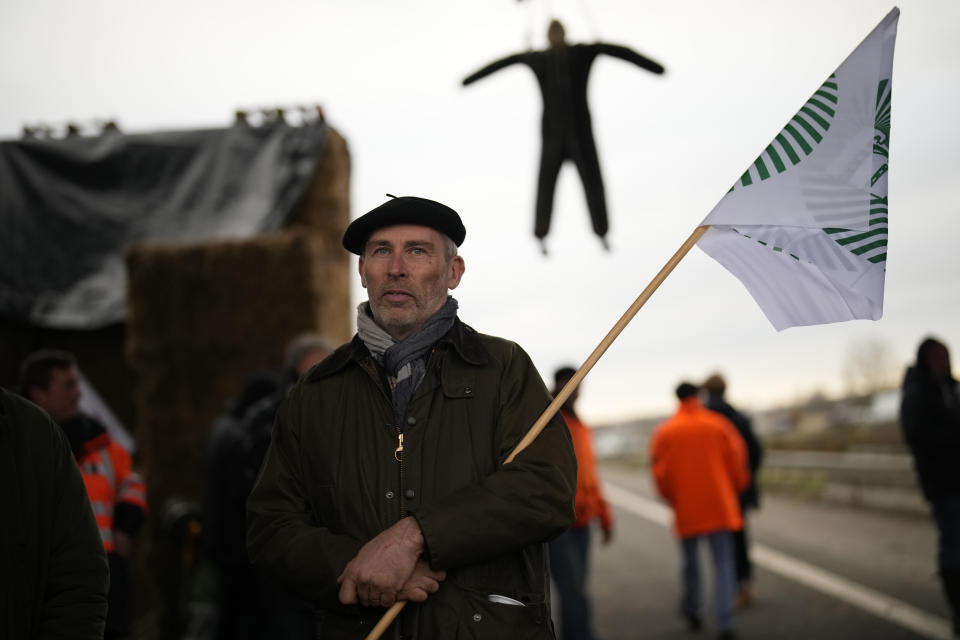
x=568, y=568
x=724, y=571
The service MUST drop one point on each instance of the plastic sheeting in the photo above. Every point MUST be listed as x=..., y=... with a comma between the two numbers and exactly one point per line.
x=69, y=208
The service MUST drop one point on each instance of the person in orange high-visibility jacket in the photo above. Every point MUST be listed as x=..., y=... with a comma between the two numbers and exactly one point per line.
x=117, y=494
x=569, y=553
x=699, y=463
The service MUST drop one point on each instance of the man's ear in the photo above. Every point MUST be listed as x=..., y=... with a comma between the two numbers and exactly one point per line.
x=457, y=267
x=363, y=278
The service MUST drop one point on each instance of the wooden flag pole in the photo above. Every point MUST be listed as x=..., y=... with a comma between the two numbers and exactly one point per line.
x=572, y=384
x=606, y=342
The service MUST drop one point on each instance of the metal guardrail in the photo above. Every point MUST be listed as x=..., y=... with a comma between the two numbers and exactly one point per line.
x=832, y=460
x=876, y=480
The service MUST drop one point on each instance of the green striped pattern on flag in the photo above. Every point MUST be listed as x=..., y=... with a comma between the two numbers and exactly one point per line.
x=832, y=203
x=798, y=139
x=773, y=247
x=872, y=243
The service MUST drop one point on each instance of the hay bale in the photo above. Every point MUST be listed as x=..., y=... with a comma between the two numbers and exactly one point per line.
x=326, y=205
x=202, y=318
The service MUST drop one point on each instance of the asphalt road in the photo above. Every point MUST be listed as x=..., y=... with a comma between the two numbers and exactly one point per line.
x=822, y=571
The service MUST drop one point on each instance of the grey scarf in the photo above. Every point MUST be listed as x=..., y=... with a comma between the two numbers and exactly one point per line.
x=404, y=361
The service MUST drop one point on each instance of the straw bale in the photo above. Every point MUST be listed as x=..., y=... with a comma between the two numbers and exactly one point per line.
x=326, y=205
x=202, y=318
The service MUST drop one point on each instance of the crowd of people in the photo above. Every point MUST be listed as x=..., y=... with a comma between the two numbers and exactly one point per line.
x=393, y=469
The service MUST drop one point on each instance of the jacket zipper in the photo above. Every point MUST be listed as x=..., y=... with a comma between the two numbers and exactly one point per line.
x=398, y=456
x=398, y=452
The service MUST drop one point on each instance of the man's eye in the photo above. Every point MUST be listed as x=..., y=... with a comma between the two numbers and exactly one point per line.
x=379, y=251
x=418, y=251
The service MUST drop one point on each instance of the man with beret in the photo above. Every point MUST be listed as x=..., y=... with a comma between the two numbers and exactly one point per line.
x=385, y=480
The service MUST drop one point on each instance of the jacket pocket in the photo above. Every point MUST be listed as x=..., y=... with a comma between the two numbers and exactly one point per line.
x=459, y=388
x=470, y=615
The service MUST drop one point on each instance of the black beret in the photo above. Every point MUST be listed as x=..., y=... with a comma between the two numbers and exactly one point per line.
x=404, y=210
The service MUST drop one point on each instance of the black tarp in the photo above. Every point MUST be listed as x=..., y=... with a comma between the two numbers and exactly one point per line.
x=70, y=207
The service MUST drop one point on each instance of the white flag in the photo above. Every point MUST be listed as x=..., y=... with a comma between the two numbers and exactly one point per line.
x=805, y=227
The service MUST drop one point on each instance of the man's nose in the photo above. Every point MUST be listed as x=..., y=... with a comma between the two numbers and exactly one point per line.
x=398, y=266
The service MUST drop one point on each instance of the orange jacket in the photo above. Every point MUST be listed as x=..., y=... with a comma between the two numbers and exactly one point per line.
x=699, y=463
x=589, y=502
x=111, y=483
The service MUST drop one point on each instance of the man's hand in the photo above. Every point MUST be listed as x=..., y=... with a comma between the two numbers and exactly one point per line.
x=607, y=535
x=122, y=543
x=422, y=583
x=383, y=566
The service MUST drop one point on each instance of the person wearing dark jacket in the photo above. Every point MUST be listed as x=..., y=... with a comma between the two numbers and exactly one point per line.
x=55, y=577
x=251, y=606
x=930, y=420
x=386, y=480
x=227, y=477
x=562, y=71
x=227, y=482
x=715, y=387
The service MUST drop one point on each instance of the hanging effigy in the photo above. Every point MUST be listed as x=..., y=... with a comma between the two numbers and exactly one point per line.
x=562, y=71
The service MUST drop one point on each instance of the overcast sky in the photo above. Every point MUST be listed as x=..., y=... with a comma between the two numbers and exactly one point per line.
x=388, y=73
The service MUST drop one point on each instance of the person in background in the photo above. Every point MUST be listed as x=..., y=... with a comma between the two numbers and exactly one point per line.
x=699, y=464
x=215, y=613
x=49, y=378
x=569, y=553
x=55, y=576
x=300, y=355
x=224, y=458
x=930, y=420
x=386, y=472
x=249, y=606
x=715, y=387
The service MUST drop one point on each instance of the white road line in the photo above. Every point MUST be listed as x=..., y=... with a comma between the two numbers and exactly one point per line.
x=875, y=602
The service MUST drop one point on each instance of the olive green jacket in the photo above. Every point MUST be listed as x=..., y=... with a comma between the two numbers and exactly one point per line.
x=333, y=479
x=53, y=568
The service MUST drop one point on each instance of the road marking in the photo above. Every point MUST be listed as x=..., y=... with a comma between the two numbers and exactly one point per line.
x=870, y=600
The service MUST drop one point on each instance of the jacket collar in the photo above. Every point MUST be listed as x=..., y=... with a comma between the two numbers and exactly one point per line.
x=462, y=338
x=466, y=342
